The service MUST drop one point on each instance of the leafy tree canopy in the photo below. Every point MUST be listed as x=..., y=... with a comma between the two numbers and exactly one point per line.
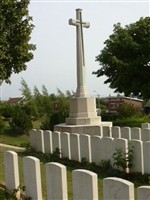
x=15, y=30
x=125, y=59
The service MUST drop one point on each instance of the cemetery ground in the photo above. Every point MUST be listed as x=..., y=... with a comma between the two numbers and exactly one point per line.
x=104, y=170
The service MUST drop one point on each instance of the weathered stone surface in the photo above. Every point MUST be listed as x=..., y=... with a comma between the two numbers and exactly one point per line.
x=11, y=170
x=107, y=148
x=138, y=156
x=145, y=134
x=75, y=147
x=116, y=132
x=96, y=149
x=85, y=185
x=121, y=143
x=85, y=147
x=56, y=143
x=47, y=136
x=32, y=138
x=145, y=125
x=126, y=133
x=143, y=193
x=146, y=156
x=106, y=131
x=32, y=177
x=136, y=133
x=65, y=145
x=117, y=188
x=56, y=179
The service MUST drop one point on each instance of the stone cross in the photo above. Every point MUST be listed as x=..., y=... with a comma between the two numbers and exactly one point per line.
x=81, y=83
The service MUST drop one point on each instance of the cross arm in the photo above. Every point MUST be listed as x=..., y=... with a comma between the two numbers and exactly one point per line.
x=77, y=22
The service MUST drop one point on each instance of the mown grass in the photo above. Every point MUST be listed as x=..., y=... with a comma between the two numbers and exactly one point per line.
x=43, y=176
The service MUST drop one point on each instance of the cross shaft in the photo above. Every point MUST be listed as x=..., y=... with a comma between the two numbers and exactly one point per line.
x=81, y=83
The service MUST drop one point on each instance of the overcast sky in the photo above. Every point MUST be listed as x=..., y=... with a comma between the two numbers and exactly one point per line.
x=54, y=63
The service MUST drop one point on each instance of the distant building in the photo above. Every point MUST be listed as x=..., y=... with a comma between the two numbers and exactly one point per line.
x=114, y=103
x=16, y=100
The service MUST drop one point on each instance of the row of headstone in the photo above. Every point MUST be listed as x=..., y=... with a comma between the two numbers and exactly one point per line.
x=137, y=133
x=85, y=183
x=93, y=148
x=130, y=133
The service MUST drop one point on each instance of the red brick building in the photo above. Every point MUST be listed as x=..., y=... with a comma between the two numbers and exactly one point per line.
x=16, y=100
x=114, y=103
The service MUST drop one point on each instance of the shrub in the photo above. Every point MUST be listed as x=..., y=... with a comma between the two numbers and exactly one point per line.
x=123, y=160
x=2, y=125
x=128, y=110
x=20, y=122
x=131, y=122
x=6, y=110
x=49, y=121
x=15, y=193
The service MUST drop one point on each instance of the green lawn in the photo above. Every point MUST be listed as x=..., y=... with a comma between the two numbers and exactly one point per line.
x=69, y=176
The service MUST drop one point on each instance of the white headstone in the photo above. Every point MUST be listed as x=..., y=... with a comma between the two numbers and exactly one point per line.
x=121, y=143
x=146, y=156
x=138, y=156
x=145, y=125
x=143, y=193
x=39, y=141
x=126, y=133
x=11, y=170
x=75, y=147
x=107, y=148
x=56, y=143
x=85, y=147
x=47, y=135
x=56, y=179
x=32, y=138
x=117, y=188
x=65, y=145
x=145, y=135
x=96, y=149
x=85, y=185
x=106, y=131
x=136, y=133
x=32, y=177
x=116, y=133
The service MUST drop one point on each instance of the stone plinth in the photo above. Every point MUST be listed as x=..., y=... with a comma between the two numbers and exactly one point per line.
x=83, y=112
x=82, y=129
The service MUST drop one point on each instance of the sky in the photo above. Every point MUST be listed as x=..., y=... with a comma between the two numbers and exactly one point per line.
x=54, y=62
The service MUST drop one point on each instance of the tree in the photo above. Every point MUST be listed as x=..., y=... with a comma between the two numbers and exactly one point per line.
x=25, y=90
x=15, y=30
x=125, y=59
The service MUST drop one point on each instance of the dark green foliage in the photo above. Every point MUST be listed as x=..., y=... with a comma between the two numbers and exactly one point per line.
x=128, y=110
x=12, y=194
x=15, y=31
x=6, y=110
x=119, y=159
x=50, y=109
x=2, y=125
x=124, y=160
x=125, y=59
x=131, y=122
x=55, y=118
x=20, y=121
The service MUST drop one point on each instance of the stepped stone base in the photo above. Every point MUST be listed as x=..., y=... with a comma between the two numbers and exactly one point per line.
x=83, y=112
x=82, y=129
